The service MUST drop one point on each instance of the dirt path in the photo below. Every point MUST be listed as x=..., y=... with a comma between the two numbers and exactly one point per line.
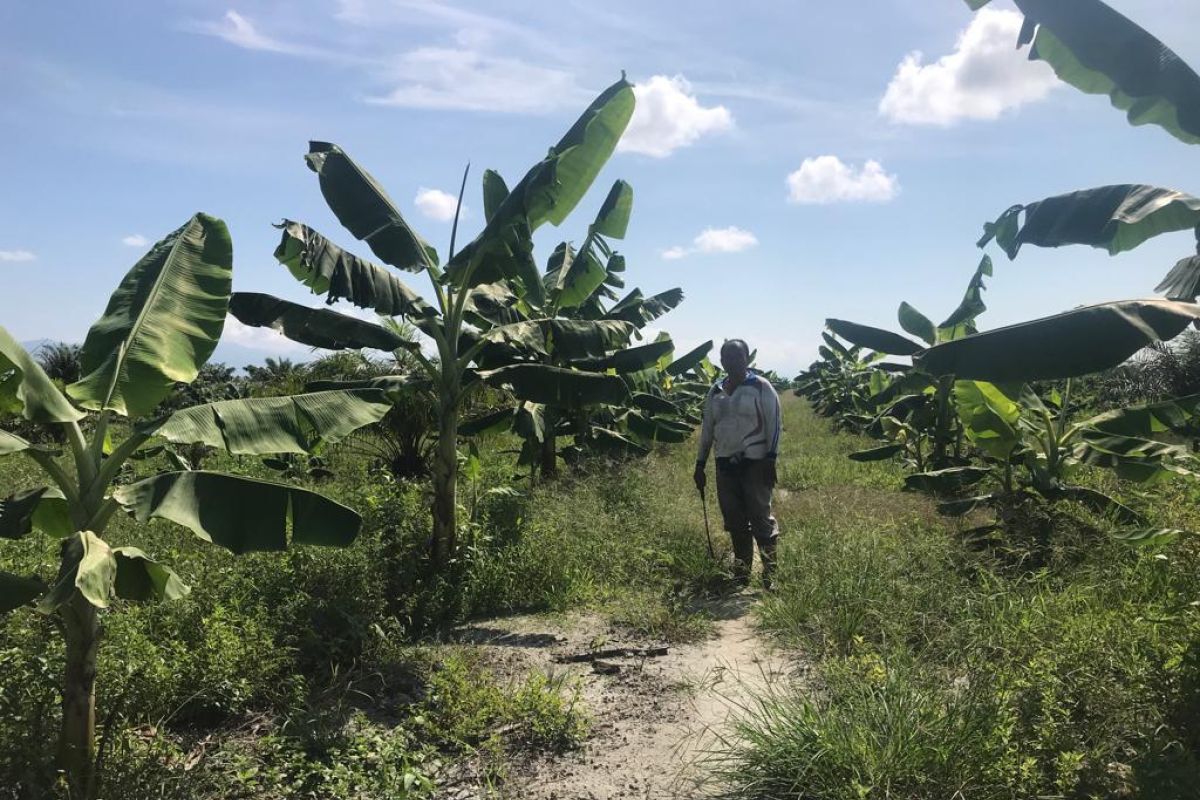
x=652, y=718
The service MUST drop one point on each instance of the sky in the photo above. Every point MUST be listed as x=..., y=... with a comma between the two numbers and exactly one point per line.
x=791, y=161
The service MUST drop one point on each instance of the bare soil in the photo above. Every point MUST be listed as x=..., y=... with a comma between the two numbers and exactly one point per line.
x=653, y=718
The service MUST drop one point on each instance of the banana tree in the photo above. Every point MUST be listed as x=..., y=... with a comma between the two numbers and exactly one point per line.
x=159, y=328
x=923, y=403
x=1018, y=430
x=476, y=285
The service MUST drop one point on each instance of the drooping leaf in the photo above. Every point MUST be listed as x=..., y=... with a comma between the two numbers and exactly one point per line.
x=364, y=208
x=17, y=591
x=1098, y=51
x=579, y=279
x=240, y=514
x=655, y=404
x=162, y=322
x=874, y=338
x=1148, y=419
x=946, y=480
x=87, y=564
x=572, y=339
x=877, y=453
x=491, y=422
x=141, y=578
x=656, y=429
x=630, y=359
x=1183, y=281
x=16, y=512
x=554, y=386
x=915, y=323
x=329, y=270
x=1147, y=537
x=689, y=360
x=496, y=303
x=1116, y=218
x=315, y=327
x=1101, y=504
x=959, y=508
x=25, y=389
x=260, y=425
x=1077, y=342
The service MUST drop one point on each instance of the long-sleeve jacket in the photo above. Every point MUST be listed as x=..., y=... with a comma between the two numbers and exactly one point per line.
x=746, y=422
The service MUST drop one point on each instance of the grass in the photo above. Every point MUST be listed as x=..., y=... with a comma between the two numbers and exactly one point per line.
x=943, y=671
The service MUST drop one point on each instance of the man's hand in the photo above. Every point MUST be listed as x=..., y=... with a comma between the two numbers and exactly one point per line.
x=699, y=477
x=772, y=478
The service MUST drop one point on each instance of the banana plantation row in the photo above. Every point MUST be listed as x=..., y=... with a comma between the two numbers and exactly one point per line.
x=993, y=412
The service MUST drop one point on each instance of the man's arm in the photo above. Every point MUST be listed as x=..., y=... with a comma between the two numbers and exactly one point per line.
x=706, y=441
x=773, y=419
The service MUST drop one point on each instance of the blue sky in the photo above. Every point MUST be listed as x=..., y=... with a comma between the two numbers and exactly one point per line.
x=790, y=161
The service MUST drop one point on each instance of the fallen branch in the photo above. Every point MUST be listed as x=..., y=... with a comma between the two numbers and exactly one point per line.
x=616, y=652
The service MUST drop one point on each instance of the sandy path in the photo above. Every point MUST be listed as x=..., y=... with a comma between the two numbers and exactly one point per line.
x=652, y=719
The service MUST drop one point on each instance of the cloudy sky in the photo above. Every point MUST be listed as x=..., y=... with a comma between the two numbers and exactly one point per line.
x=790, y=161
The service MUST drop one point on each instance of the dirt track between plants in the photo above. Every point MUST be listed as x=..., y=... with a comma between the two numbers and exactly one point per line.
x=653, y=719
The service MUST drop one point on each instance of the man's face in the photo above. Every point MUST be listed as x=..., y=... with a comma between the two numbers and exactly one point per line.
x=733, y=359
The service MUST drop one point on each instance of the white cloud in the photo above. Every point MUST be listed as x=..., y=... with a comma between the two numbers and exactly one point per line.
x=668, y=116
x=16, y=255
x=724, y=240
x=267, y=340
x=714, y=240
x=238, y=30
x=826, y=179
x=436, y=204
x=135, y=240
x=984, y=77
x=467, y=80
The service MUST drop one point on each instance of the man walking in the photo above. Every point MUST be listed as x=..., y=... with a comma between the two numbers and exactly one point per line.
x=742, y=419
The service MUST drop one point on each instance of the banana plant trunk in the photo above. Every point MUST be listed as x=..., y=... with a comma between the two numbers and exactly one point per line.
x=445, y=481
x=77, y=756
x=549, y=465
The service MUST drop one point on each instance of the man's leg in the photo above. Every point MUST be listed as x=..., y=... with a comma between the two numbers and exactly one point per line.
x=763, y=525
x=733, y=511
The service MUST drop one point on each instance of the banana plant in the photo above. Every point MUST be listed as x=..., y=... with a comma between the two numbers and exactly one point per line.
x=575, y=286
x=923, y=403
x=472, y=290
x=1034, y=446
x=159, y=328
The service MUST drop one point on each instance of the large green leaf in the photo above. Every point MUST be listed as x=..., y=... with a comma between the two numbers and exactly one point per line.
x=555, y=386
x=25, y=389
x=875, y=339
x=571, y=339
x=1096, y=50
x=240, y=514
x=498, y=420
x=989, y=417
x=1183, y=281
x=162, y=323
x=495, y=303
x=315, y=327
x=1078, y=342
x=655, y=404
x=689, y=360
x=655, y=429
x=141, y=578
x=1100, y=503
x=364, y=208
x=946, y=480
x=877, y=453
x=1116, y=218
x=579, y=280
x=581, y=153
x=329, y=270
x=260, y=425
x=17, y=591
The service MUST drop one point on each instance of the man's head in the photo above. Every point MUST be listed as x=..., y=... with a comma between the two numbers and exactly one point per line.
x=735, y=357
